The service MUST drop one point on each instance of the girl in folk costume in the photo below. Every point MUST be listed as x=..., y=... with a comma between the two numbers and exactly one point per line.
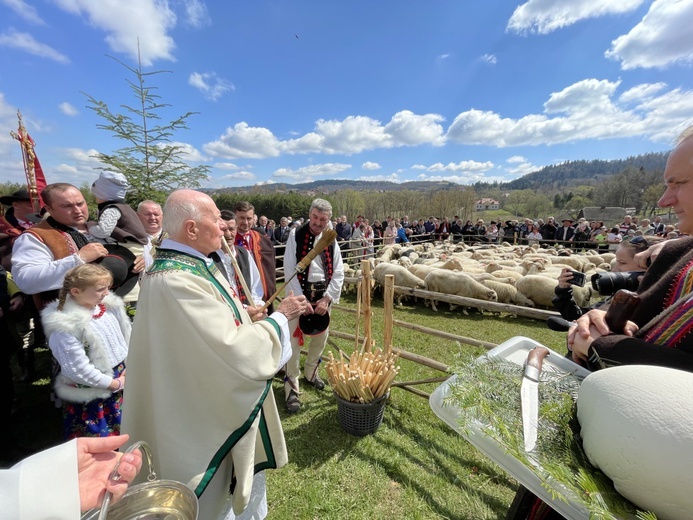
x=88, y=333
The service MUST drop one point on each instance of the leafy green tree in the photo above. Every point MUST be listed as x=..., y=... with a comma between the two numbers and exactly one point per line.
x=152, y=164
x=650, y=197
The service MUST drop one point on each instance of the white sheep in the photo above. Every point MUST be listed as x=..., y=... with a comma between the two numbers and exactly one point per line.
x=508, y=293
x=459, y=284
x=403, y=278
x=540, y=289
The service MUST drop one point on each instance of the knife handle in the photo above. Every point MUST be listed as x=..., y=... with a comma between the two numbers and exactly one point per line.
x=535, y=359
x=621, y=308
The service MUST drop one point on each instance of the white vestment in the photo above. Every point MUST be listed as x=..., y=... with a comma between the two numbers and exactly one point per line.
x=198, y=386
x=42, y=486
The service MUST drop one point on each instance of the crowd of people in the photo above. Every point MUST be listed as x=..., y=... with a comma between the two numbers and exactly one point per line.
x=138, y=307
x=200, y=284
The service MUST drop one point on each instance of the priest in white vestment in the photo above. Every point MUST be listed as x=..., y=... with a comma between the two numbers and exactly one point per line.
x=199, y=370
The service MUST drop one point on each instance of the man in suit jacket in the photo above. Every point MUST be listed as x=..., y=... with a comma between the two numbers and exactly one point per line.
x=281, y=233
x=566, y=231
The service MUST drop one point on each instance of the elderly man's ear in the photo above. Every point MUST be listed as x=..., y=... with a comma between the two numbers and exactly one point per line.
x=191, y=229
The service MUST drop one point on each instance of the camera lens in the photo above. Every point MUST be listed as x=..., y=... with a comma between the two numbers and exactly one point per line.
x=607, y=284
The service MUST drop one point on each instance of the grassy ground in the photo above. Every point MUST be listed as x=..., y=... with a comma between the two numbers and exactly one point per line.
x=414, y=466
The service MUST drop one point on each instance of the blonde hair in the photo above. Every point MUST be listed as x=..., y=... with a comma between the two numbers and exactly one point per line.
x=81, y=277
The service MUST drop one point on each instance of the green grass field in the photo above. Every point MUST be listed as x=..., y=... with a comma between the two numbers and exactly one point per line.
x=414, y=466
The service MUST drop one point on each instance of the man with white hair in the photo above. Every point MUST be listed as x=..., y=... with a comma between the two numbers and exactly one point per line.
x=200, y=371
x=661, y=328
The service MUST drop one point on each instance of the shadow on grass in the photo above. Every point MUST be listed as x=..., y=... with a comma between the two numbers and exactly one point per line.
x=313, y=435
x=440, y=457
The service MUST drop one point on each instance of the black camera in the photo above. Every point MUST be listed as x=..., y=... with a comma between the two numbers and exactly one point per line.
x=607, y=284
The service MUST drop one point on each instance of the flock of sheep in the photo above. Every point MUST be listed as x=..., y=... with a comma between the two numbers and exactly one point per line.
x=504, y=273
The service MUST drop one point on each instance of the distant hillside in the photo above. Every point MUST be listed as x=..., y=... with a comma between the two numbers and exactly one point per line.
x=557, y=176
x=332, y=185
x=575, y=173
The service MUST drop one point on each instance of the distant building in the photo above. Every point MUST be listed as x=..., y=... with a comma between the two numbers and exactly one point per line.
x=486, y=204
x=611, y=216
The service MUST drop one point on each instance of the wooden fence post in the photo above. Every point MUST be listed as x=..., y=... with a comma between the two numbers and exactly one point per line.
x=366, y=297
x=388, y=308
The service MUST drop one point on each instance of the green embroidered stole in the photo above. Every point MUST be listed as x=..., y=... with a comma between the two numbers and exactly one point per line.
x=169, y=260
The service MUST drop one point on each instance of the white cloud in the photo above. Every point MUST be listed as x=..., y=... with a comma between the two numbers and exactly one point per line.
x=515, y=159
x=489, y=58
x=462, y=166
x=67, y=109
x=78, y=167
x=545, y=16
x=582, y=111
x=226, y=166
x=196, y=13
x=444, y=56
x=521, y=166
x=308, y=173
x=24, y=10
x=27, y=43
x=238, y=176
x=418, y=167
x=470, y=178
x=355, y=134
x=640, y=92
x=368, y=165
x=211, y=85
x=190, y=154
x=243, y=141
x=127, y=22
x=663, y=37
x=393, y=177
x=407, y=128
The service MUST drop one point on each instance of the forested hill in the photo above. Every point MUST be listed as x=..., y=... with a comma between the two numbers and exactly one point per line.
x=575, y=173
x=557, y=176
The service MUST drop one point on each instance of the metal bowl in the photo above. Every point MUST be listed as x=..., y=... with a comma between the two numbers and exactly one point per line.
x=158, y=500
x=152, y=500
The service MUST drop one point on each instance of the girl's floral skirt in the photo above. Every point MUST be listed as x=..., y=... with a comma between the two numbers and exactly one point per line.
x=97, y=418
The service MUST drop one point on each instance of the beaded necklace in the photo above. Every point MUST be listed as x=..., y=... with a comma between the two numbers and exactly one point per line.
x=102, y=311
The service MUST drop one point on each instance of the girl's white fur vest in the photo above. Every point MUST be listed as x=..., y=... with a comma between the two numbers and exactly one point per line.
x=74, y=319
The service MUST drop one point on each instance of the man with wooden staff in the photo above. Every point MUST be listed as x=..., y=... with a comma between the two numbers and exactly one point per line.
x=247, y=269
x=200, y=372
x=258, y=245
x=321, y=283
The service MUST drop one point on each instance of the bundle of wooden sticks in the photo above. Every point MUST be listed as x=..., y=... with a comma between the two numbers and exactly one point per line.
x=364, y=377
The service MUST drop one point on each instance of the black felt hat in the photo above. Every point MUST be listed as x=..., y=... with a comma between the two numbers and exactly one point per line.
x=18, y=196
x=120, y=261
x=314, y=324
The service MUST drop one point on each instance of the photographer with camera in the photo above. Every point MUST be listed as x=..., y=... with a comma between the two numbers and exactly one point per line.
x=659, y=330
x=625, y=274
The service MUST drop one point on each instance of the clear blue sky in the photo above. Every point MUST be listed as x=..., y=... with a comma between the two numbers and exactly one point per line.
x=390, y=89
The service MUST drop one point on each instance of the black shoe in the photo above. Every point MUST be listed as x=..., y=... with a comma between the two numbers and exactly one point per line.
x=318, y=383
x=293, y=404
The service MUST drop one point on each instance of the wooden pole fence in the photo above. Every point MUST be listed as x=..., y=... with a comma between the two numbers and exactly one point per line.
x=432, y=332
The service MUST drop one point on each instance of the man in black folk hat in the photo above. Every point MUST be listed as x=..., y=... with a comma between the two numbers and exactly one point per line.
x=321, y=283
x=18, y=217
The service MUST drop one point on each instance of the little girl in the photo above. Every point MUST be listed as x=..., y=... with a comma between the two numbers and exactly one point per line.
x=88, y=333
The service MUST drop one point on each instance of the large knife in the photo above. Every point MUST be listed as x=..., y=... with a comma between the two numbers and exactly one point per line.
x=529, y=396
